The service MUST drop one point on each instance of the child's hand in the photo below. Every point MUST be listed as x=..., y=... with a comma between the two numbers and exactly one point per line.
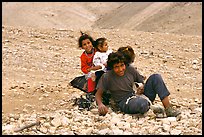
x=88, y=69
x=140, y=90
x=105, y=65
x=102, y=109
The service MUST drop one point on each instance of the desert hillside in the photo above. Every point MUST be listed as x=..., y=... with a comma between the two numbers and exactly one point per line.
x=179, y=18
x=40, y=56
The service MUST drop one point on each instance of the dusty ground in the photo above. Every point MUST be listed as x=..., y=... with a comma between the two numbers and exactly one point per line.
x=38, y=63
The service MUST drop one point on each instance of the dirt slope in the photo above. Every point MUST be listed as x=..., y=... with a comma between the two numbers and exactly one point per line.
x=179, y=18
x=41, y=62
x=54, y=14
x=121, y=15
x=41, y=45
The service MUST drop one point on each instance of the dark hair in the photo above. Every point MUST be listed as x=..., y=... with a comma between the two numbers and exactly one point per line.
x=99, y=42
x=83, y=37
x=115, y=58
x=128, y=52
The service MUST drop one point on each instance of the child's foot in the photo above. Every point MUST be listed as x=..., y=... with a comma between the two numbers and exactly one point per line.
x=171, y=112
x=157, y=109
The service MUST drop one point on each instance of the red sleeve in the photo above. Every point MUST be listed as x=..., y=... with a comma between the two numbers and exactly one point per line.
x=84, y=64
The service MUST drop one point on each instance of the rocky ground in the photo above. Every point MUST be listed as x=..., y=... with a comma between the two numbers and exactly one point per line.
x=40, y=56
x=38, y=64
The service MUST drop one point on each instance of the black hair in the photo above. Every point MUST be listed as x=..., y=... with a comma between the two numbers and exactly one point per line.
x=115, y=58
x=128, y=52
x=83, y=37
x=99, y=42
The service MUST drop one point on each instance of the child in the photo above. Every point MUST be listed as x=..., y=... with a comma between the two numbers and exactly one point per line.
x=101, y=57
x=86, y=42
x=129, y=54
x=119, y=82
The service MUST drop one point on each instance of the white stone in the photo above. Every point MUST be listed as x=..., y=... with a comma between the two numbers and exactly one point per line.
x=117, y=132
x=56, y=122
x=8, y=127
x=65, y=121
x=171, y=119
x=88, y=131
x=104, y=131
x=175, y=132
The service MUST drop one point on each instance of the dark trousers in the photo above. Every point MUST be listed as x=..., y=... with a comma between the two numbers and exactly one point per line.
x=98, y=75
x=153, y=86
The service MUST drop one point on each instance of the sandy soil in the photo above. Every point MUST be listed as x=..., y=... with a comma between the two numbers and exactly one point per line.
x=40, y=54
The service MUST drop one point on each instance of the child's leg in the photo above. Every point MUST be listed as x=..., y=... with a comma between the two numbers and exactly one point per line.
x=91, y=85
x=98, y=75
x=93, y=77
x=155, y=85
x=135, y=105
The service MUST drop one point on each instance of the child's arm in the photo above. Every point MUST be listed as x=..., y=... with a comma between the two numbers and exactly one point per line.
x=94, y=68
x=85, y=68
x=84, y=65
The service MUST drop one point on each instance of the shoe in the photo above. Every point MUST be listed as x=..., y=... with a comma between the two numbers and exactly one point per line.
x=83, y=103
x=171, y=112
x=90, y=97
x=157, y=109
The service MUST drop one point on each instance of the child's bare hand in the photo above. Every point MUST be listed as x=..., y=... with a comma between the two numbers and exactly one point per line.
x=102, y=109
x=105, y=64
x=140, y=90
x=89, y=69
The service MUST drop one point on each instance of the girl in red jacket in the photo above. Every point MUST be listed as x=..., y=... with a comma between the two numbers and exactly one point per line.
x=86, y=42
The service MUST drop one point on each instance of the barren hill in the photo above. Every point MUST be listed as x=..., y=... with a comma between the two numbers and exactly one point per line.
x=180, y=18
x=54, y=14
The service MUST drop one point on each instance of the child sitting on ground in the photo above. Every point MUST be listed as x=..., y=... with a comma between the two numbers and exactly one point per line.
x=86, y=42
x=101, y=57
x=129, y=54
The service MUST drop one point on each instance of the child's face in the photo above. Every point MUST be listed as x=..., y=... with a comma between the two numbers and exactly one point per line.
x=104, y=47
x=87, y=45
x=119, y=68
